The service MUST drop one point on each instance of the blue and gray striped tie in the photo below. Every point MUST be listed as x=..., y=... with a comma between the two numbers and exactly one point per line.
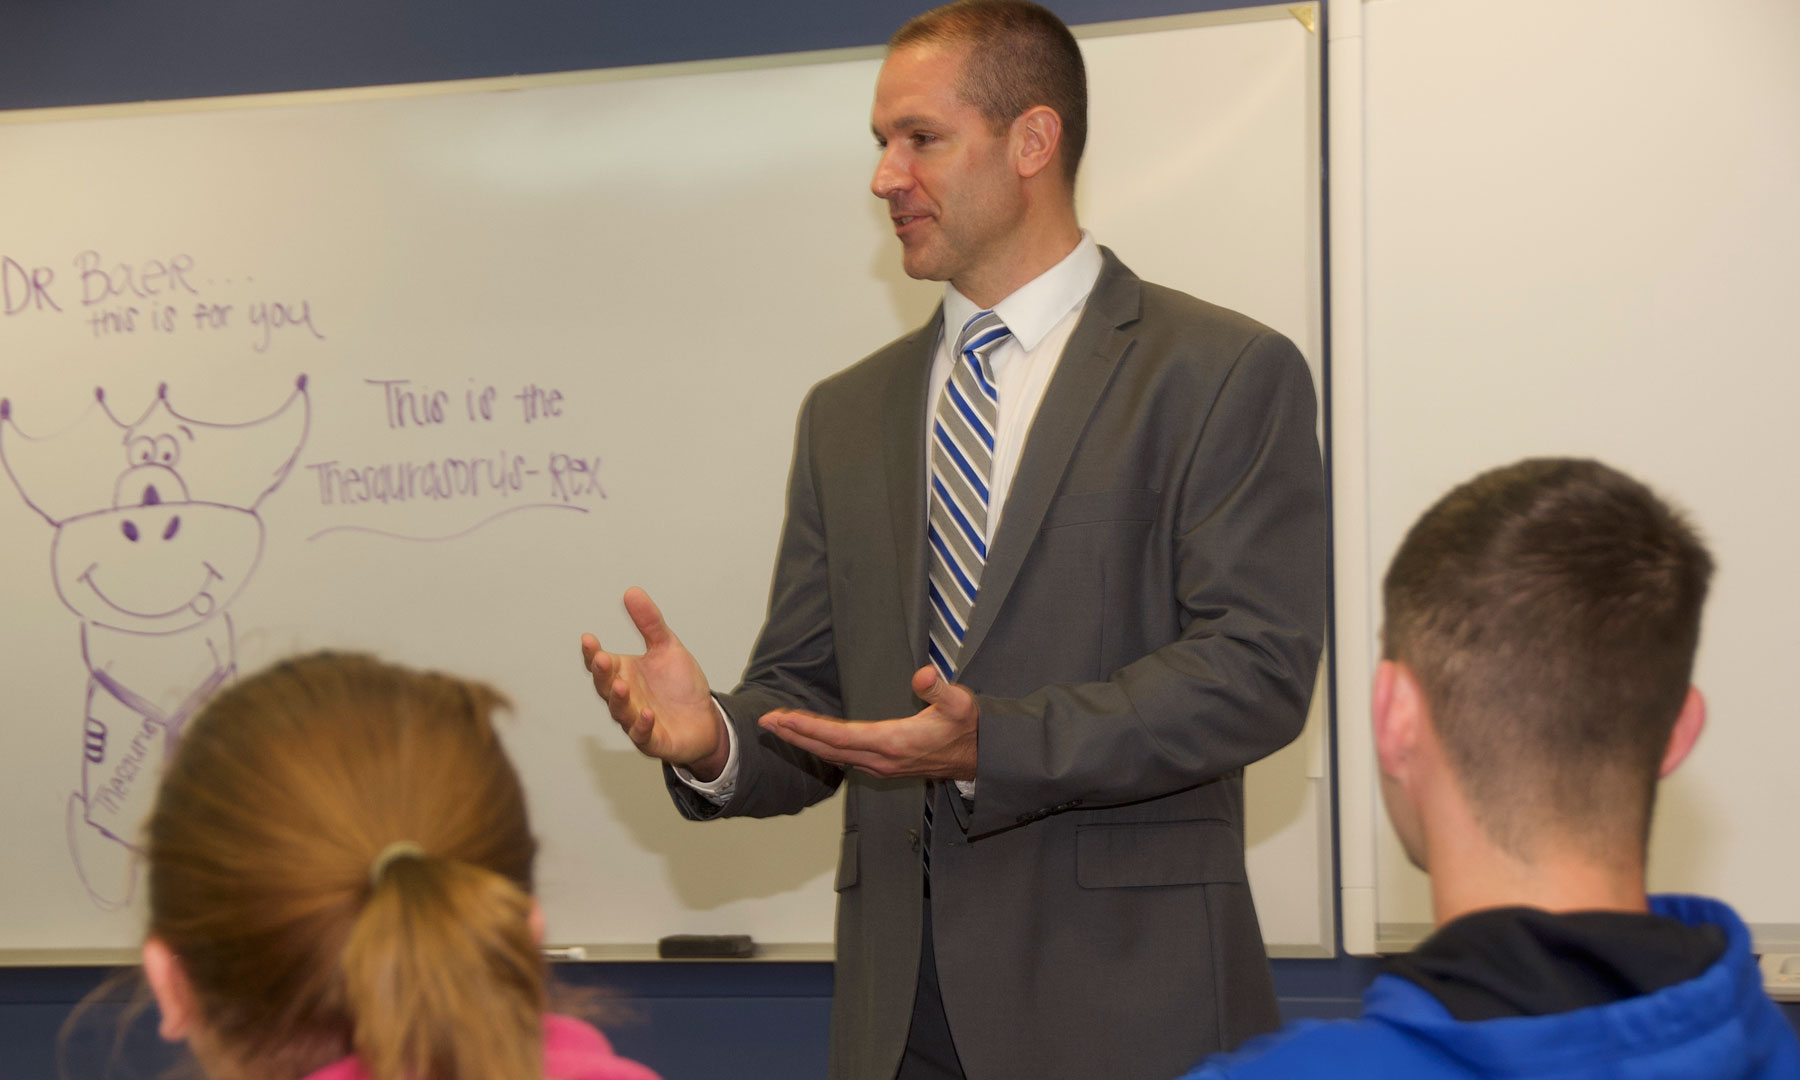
x=962, y=465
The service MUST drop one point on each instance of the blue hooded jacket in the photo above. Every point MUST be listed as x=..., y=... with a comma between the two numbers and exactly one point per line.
x=1719, y=1025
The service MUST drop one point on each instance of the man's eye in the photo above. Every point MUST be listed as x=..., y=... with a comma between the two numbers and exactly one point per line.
x=923, y=139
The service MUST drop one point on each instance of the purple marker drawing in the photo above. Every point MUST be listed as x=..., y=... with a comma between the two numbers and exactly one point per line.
x=490, y=519
x=148, y=557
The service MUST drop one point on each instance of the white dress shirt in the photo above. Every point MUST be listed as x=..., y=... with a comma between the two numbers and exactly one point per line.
x=1041, y=314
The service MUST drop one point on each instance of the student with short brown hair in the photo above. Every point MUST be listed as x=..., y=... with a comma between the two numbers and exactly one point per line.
x=340, y=887
x=1540, y=633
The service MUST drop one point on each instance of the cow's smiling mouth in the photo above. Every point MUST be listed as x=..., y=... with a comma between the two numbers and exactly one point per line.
x=201, y=603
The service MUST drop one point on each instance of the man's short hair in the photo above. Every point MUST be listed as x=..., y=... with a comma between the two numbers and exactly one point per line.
x=1550, y=610
x=1020, y=55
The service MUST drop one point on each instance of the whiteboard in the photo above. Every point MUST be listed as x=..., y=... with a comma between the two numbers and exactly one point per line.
x=477, y=357
x=1581, y=233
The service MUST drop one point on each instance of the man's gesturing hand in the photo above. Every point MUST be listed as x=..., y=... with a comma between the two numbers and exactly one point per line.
x=937, y=742
x=661, y=697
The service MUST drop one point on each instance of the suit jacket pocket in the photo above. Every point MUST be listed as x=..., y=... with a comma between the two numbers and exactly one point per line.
x=848, y=862
x=1089, y=507
x=1138, y=854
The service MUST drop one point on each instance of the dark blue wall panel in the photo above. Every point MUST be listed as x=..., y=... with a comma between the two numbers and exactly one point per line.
x=77, y=52
x=751, y=1021
x=755, y=1021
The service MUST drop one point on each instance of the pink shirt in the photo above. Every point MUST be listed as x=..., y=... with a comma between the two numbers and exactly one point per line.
x=572, y=1051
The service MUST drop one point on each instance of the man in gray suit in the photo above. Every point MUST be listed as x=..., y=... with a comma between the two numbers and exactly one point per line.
x=1067, y=538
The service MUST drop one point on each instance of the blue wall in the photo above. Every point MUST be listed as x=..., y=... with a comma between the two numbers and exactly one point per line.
x=749, y=1021
x=753, y=1021
x=77, y=52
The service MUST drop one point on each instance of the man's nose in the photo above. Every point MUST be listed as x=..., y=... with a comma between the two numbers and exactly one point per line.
x=889, y=178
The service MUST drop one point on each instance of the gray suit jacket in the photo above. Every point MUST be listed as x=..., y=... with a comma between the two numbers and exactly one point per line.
x=1149, y=622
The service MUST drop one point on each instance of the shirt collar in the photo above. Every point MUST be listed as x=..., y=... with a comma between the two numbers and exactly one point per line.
x=1033, y=309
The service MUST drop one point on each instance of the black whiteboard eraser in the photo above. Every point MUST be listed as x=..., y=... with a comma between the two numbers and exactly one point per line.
x=705, y=947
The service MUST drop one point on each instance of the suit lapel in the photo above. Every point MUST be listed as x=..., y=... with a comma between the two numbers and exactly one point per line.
x=903, y=445
x=1086, y=366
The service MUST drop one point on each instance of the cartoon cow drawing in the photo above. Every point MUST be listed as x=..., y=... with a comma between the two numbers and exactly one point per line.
x=156, y=532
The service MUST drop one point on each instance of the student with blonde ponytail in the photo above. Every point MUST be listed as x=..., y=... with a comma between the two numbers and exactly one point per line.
x=340, y=873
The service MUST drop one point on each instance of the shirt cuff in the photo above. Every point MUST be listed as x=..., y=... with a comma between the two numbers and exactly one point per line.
x=967, y=787
x=719, y=791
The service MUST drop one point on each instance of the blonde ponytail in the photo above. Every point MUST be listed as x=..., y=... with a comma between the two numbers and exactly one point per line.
x=284, y=791
x=443, y=976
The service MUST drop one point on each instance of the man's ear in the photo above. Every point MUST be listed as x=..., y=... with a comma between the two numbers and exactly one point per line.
x=1037, y=132
x=1399, y=714
x=174, y=994
x=1688, y=725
